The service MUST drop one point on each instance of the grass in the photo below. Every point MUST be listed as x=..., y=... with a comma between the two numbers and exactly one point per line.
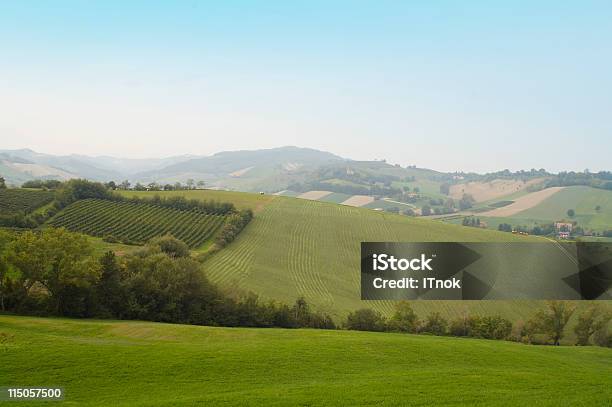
x=580, y=198
x=297, y=247
x=149, y=364
x=335, y=197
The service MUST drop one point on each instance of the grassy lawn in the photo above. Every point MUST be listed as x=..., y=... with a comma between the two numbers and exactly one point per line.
x=149, y=364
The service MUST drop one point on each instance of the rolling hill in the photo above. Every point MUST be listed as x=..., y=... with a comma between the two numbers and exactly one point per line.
x=584, y=200
x=137, y=222
x=297, y=247
x=267, y=170
x=128, y=363
x=18, y=166
x=592, y=207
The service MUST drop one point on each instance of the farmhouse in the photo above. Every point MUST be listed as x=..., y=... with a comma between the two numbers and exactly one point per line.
x=564, y=229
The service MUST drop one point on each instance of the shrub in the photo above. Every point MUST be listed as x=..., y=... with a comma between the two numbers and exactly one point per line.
x=435, y=324
x=490, y=327
x=170, y=245
x=404, y=319
x=365, y=320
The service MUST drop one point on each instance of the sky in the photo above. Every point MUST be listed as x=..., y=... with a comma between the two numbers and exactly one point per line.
x=449, y=85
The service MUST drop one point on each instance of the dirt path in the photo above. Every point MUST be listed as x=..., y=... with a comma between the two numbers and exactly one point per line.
x=523, y=203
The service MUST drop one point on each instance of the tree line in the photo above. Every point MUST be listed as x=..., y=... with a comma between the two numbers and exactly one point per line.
x=547, y=326
x=55, y=272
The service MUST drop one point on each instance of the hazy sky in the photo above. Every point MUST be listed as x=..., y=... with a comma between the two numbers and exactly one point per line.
x=441, y=84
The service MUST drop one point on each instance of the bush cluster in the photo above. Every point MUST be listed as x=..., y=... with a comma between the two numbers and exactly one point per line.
x=546, y=327
x=233, y=226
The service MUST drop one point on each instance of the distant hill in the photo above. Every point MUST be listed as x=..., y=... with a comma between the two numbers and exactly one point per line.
x=268, y=170
x=18, y=166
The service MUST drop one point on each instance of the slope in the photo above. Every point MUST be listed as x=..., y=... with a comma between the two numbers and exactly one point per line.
x=297, y=247
x=152, y=364
x=583, y=200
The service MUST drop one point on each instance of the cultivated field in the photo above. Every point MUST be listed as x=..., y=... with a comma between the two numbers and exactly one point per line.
x=137, y=222
x=484, y=191
x=584, y=200
x=335, y=197
x=523, y=203
x=16, y=200
x=358, y=200
x=102, y=363
x=314, y=195
x=296, y=247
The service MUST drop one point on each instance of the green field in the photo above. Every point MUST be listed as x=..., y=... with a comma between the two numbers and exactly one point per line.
x=335, y=197
x=298, y=247
x=580, y=198
x=295, y=247
x=137, y=222
x=149, y=364
x=19, y=200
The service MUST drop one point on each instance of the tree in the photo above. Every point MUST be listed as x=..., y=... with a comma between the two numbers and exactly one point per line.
x=108, y=289
x=404, y=319
x=190, y=183
x=571, y=213
x=435, y=324
x=552, y=320
x=591, y=321
x=2, y=183
x=76, y=189
x=57, y=259
x=201, y=184
x=466, y=202
x=365, y=319
x=125, y=185
x=170, y=245
x=416, y=190
x=426, y=210
x=300, y=311
x=598, y=208
x=445, y=188
x=4, y=268
x=111, y=185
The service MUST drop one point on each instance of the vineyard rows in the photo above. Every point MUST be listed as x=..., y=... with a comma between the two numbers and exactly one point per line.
x=23, y=200
x=137, y=222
